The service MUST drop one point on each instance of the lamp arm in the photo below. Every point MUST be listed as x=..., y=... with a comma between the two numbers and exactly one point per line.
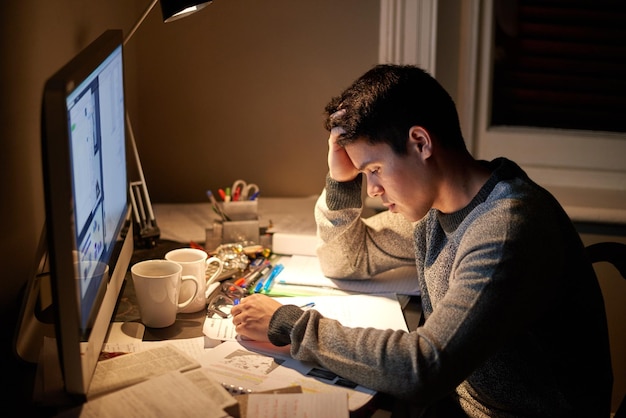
x=142, y=179
x=140, y=21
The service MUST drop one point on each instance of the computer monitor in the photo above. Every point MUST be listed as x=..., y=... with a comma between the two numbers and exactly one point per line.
x=87, y=209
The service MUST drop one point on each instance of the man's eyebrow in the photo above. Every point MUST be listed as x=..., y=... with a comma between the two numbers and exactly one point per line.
x=365, y=164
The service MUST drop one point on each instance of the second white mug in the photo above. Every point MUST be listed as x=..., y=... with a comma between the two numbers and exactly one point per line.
x=194, y=263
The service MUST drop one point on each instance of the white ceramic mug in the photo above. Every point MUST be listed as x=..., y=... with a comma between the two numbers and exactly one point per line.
x=194, y=263
x=157, y=285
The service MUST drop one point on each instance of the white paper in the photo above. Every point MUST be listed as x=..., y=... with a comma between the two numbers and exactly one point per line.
x=298, y=405
x=124, y=337
x=218, y=328
x=193, y=347
x=376, y=311
x=231, y=363
x=306, y=271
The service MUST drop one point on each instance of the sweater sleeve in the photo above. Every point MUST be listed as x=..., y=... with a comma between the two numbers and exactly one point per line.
x=281, y=324
x=353, y=247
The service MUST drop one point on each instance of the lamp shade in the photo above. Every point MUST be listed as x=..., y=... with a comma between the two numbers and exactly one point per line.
x=176, y=9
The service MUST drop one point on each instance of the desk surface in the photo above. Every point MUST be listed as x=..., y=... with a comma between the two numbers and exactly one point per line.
x=184, y=222
x=189, y=325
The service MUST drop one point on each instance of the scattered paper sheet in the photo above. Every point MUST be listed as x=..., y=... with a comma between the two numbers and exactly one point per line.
x=233, y=365
x=298, y=405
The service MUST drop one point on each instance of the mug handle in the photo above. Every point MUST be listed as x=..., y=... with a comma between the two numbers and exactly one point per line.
x=192, y=278
x=220, y=267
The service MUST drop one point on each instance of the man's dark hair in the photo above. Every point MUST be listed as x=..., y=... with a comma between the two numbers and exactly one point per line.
x=385, y=102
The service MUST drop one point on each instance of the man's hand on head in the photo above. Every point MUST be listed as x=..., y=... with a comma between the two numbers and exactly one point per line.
x=339, y=164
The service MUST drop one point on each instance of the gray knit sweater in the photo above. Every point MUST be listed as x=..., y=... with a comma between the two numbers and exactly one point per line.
x=515, y=322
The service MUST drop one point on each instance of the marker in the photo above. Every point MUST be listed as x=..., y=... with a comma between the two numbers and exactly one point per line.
x=222, y=194
x=254, y=195
x=215, y=206
x=250, y=278
x=227, y=196
x=258, y=286
x=267, y=270
x=193, y=244
x=275, y=272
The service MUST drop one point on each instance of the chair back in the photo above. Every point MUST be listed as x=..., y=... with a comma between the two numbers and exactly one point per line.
x=615, y=254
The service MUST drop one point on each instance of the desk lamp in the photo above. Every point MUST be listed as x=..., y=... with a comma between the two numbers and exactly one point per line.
x=148, y=231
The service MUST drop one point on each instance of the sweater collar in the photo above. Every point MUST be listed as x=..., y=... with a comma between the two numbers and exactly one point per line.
x=501, y=169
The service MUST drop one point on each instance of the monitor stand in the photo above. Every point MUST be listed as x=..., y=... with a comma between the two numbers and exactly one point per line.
x=36, y=317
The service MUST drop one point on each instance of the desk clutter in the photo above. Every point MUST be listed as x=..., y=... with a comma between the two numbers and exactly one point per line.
x=219, y=375
x=286, y=225
x=210, y=371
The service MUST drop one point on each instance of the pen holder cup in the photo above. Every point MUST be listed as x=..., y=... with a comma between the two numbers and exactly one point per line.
x=223, y=232
x=245, y=210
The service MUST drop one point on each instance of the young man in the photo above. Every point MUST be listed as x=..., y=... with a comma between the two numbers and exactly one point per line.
x=502, y=272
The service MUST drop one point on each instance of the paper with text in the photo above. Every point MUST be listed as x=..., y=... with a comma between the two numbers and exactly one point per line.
x=298, y=405
x=129, y=369
x=169, y=395
x=232, y=364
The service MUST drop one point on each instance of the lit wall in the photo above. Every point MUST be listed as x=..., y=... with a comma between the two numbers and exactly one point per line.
x=238, y=90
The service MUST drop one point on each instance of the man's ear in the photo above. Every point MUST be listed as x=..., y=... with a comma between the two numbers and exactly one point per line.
x=420, y=142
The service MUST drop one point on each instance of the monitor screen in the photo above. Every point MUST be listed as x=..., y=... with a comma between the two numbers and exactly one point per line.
x=95, y=117
x=88, y=243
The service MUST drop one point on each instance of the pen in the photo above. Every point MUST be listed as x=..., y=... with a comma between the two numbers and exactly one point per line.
x=255, y=274
x=307, y=306
x=215, y=206
x=259, y=285
x=275, y=272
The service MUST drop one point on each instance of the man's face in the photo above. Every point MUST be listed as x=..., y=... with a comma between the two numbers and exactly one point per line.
x=401, y=181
